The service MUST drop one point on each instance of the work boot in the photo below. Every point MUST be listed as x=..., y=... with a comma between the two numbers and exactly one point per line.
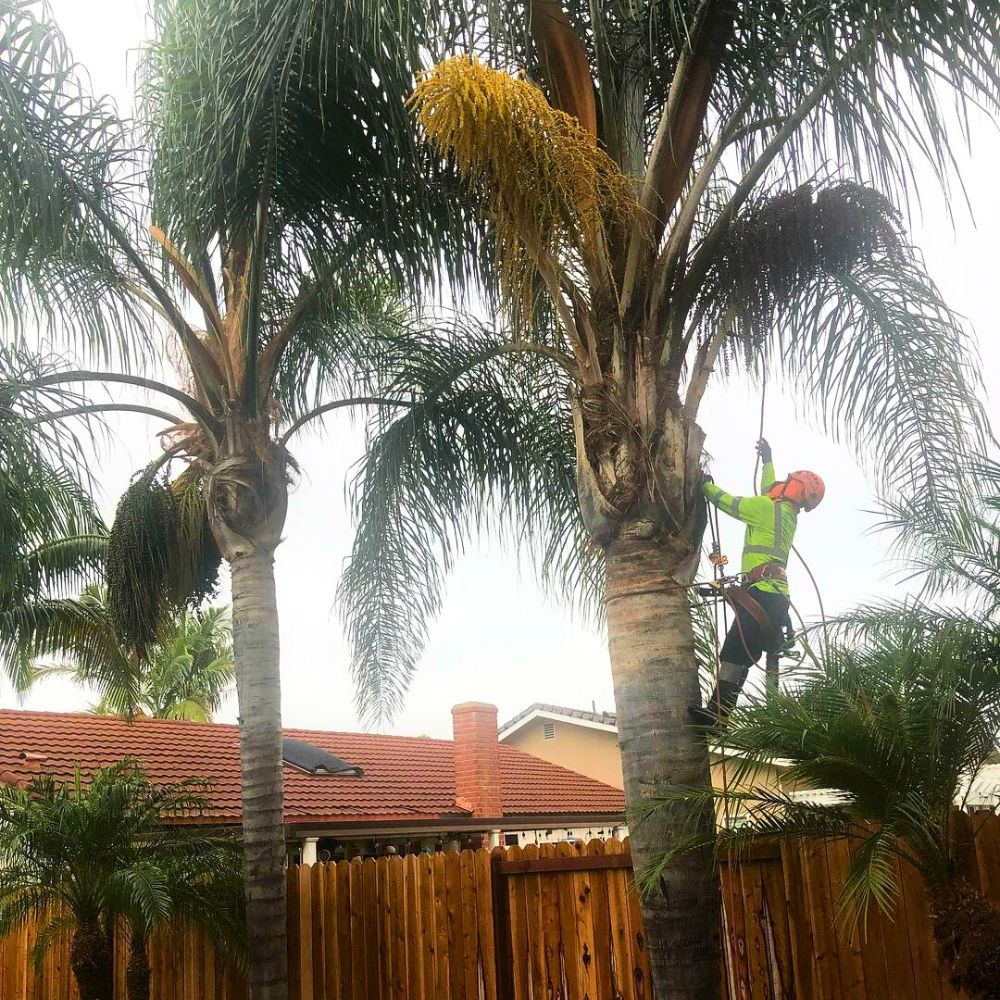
x=722, y=702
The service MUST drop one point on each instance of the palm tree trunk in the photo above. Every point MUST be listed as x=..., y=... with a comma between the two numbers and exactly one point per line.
x=967, y=931
x=655, y=675
x=137, y=970
x=255, y=645
x=92, y=962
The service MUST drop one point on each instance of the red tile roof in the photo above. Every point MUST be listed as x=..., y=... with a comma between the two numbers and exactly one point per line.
x=405, y=778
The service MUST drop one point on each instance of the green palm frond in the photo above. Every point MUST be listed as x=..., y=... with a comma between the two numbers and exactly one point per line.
x=484, y=445
x=66, y=159
x=351, y=336
x=826, y=289
x=282, y=95
x=186, y=673
x=951, y=542
x=52, y=539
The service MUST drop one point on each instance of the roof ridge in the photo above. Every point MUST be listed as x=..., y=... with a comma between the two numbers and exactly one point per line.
x=584, y=714
x=146, y=720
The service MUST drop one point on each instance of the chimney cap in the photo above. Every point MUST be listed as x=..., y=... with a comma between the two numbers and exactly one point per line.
x=474, y=706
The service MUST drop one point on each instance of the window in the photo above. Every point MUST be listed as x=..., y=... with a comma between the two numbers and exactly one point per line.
x=510, y=839
x=549, y=730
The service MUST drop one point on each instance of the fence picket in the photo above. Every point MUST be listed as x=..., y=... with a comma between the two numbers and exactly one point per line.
x=484, y=920
x=456, y=943
x=442, y=953
x=470, y=925
x=384, y=928
x=425, y=880
x=368, y=945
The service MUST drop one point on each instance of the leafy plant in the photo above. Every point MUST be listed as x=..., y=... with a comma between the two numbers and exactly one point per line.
x=79, y=856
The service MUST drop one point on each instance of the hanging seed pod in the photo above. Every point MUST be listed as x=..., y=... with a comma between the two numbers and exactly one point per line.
x=195, y=577
x=142, y=543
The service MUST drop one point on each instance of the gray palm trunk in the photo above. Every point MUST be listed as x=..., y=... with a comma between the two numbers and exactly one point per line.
x=653, y=664
x=255, y=642
x=247, y=501
x=651, y=557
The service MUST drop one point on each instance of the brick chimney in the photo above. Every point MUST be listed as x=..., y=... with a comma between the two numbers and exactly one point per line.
x=477, y=759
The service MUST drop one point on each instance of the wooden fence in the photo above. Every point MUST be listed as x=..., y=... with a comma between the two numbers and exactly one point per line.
x=555, y=922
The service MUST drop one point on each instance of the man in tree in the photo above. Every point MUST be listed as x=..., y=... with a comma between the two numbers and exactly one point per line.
x=761, y=604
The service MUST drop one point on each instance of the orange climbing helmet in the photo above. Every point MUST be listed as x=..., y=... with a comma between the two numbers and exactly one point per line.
x=803, y=488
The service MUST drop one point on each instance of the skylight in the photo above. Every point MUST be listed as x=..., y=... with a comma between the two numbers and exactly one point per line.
x=315, y=760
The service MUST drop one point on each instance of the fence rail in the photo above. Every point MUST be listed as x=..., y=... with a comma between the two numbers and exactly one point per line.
x=555, y=922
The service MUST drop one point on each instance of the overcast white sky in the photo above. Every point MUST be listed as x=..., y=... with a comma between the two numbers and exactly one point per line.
x=498, y=639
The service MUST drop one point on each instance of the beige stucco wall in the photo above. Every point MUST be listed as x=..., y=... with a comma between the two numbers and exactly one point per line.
x=587, y=751
x=595, y=753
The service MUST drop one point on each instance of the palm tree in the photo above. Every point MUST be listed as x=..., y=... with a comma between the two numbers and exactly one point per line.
x=79, y=856
x=274, y=190
x=900, y=719
x=678, y=188
x=186, y=673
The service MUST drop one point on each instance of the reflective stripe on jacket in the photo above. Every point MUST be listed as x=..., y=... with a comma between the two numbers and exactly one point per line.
x=770, y=526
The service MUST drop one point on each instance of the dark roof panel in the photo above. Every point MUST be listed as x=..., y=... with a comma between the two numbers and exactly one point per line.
x=312, y=759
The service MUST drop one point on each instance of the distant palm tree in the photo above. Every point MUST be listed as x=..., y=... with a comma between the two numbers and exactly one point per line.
x=184, y=674
x=79, y=856
x=899, y=721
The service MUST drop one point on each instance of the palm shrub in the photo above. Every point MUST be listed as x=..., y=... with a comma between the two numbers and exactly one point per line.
x=258, y=223
x=80, y=857
x=185, y=674
x=898, y=721
x=675, y=189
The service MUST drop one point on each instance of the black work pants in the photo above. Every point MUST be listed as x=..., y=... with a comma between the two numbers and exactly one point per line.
x=746, y=640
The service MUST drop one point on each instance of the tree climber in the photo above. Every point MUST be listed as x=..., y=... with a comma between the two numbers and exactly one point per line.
x=761, y=603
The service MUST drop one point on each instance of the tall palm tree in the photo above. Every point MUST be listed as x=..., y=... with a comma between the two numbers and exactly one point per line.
x=901, y=718
x=79, y=856
x=676, y=188
x=272, y=188
x=186, y=673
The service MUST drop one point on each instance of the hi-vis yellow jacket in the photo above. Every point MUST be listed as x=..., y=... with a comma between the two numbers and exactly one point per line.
x=770, y=527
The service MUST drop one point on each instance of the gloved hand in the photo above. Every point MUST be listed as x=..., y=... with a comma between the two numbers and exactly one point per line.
x=706, y=477
x=764, y=450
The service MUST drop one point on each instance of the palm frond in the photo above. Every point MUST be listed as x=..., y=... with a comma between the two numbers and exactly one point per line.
x=484, y=446
x=951, y=542
x=311, y=96
x=827, y=290
x=66, y=160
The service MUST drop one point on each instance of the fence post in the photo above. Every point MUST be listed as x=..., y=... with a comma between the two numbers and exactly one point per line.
x=503, y=948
